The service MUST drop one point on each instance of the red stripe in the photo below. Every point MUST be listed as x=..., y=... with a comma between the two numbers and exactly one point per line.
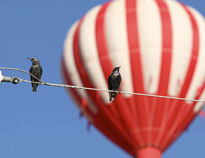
x=104, y=111
x=190, y=116
x=190, y=69
x=103, y=54
x=186, y=115
x=166, y=47
x=165, y=66
x=200, y=90
x=179, y=105
x=134, y=47
x=98, y=121
x=194, y=57
x=67, y=80
x=136, y=65
x=202, y=114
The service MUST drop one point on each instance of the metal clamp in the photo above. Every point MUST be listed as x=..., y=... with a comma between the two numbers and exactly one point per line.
x=13, y=80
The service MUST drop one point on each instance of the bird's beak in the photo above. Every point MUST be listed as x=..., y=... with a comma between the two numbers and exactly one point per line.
x=119, y=67
x=29, y=58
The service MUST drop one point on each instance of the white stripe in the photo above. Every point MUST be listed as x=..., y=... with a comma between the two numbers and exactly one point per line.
x=116, y=37
x=150, y=33
x=182, y=45
x=90, y=54
x=71, y=68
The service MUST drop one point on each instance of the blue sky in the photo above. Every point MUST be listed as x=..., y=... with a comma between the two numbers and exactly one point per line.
x=47, y=124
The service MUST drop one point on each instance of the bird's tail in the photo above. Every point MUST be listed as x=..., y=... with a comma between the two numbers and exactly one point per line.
x=34, y=89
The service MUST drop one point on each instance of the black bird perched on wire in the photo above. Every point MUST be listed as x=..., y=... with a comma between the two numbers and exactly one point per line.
x=114, y=81
x=35, y=70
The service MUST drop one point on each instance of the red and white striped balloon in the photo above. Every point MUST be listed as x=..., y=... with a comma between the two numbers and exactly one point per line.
x=160, y=46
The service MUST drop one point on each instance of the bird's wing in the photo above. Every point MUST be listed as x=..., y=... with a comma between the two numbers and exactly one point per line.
x=119, y=80
x=31, y=71
x=110, y=82
x=41, y=70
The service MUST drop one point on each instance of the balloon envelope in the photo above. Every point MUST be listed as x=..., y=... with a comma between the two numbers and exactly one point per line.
x=160, y=46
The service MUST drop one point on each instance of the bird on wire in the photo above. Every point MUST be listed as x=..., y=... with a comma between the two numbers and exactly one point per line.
x=35, y=70
x=114, y=81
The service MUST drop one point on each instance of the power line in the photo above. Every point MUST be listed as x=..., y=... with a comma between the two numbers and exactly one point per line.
x=96, y=89
x=16, y=69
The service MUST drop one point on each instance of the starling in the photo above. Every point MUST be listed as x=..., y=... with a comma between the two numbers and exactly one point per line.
x=35, y=70
x=114, y=81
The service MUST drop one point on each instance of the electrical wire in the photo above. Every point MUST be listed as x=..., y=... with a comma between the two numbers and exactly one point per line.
x=97, y=89
x=16, y=69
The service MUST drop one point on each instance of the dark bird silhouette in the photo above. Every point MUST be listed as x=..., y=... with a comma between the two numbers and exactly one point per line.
x=35, y=70
x=114, y=81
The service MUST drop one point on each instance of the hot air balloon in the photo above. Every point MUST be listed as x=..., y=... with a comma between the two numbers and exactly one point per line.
x=160, y=46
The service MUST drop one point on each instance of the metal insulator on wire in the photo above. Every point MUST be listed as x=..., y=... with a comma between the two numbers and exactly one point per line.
x=13, y=80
